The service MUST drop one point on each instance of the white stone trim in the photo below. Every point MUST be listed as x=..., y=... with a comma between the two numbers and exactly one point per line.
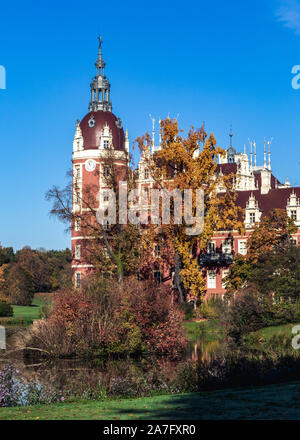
x=82, y=265
x=83, y=238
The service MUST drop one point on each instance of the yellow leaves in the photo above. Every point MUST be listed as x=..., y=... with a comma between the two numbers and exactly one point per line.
x=271, y=232
x=192, y=161
x=191, y=275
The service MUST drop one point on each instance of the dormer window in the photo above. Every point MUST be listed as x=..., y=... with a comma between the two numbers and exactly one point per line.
x=92, y=122
x=294, y=214
x=106, y=224
x=105, y=143
x=252, y=217
x=105, y=197
x=146, y=173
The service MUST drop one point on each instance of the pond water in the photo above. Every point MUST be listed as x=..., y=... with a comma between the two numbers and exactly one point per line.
x=79, y=375
x=135, y=377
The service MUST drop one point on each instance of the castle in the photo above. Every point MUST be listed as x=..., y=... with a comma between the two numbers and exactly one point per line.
x=258, y=190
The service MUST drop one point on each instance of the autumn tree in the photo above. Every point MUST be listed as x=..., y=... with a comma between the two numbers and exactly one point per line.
x=6, y=255
x=278, y=272
x=191, y=163
x=266, y=249
x=19, y=285
x=113, y=250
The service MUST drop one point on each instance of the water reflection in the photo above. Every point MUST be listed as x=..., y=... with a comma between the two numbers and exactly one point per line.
x=78, y=376
x=203, y=350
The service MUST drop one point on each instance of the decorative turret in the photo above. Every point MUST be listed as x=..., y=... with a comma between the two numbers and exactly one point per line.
x=269, y=154
x=126, y=141
x=100, y=86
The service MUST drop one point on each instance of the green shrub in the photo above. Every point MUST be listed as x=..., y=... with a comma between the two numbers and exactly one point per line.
x=281, y=313
x=5, y=309
x=212, y=308
x=245, y=314
x=251, y=311
x=188, y=310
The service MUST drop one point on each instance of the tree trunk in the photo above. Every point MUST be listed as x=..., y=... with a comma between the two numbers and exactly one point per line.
x=177, y=278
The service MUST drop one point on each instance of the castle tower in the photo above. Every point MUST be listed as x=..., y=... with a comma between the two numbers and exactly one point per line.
x=98, y=135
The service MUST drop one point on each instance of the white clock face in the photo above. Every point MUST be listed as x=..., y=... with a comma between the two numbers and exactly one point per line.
x=90, y=165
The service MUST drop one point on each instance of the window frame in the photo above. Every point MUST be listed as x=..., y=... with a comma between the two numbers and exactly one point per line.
x=225, y=272
x=242, y=242
x=77, y=252
x=77, y=280
x=209, y=279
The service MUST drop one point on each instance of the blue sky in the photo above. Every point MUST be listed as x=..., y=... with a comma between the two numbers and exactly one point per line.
x=219, y=62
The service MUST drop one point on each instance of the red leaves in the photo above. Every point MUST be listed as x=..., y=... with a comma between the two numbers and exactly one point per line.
x=142, y=316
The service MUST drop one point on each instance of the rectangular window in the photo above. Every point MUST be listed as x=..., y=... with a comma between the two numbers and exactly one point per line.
x=157, y=276
x=106, y=224
x=211, y=247
x=242, y=247
x=77, y=224
x=106, y=171
x=77, y=197
x=226, y=246
x=294, y=241
x=156, y=250
x=105, y=144
x=173, y=279
x=294, y=215
x=105, y=197
x=225, y=272
x=77, y=252
x=77, y=173
x=77, y=280
x=211, y=279
x=252, y=217
x=146, y=174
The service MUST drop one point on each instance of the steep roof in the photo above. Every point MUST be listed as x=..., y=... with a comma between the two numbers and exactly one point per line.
x=91, y=133
x=276, y=198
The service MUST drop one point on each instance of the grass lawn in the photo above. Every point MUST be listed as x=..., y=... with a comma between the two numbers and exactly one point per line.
x=210, y=330
x=284, y=330
x=272, y=402
x=26, y=314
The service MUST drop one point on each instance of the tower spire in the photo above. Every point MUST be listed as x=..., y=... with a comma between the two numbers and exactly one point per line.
x=251, y=154
x=265, y=154
x=153, y=133
x=100, y=86
x=230, y=135
x=269, y=154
